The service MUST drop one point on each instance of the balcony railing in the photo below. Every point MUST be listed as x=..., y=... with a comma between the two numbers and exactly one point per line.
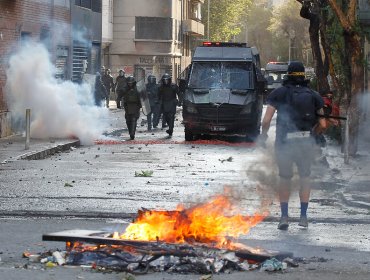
x=193, y=27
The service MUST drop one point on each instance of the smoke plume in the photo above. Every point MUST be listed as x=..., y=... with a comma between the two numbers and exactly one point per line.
x=59, y=109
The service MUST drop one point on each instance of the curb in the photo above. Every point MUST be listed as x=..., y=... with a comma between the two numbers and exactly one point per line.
x=50, y=151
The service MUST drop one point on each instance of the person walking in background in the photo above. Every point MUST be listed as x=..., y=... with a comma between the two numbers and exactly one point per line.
x=100, y=92
x=297, y=121
x=108, y=83
x=167, y=95
x=152, y=93
x=131, y=105
x=120, y=87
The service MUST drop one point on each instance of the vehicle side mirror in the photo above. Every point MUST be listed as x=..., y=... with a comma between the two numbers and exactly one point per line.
x=182, y=85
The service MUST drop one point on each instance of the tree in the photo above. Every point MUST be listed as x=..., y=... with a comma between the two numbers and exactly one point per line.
x=225, y=18
x=256, y=27
x=346, y=13
x=313, y=11
x=289, y=30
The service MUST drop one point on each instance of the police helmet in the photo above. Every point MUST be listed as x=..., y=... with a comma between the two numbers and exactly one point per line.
x=121, y=71
x=152, y=79
x=166, y=79
x=296, y=69
x=131, y=81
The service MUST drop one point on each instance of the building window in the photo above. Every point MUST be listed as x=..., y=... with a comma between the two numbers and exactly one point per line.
x=110, y=11
x=45, y=37
x=25, y=37
x=84, y=3
x=196, y=9
x=96, y=6
x=155, y=28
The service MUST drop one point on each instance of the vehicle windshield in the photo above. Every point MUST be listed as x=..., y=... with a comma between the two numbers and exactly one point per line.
x=275, y=77
x=231, y=75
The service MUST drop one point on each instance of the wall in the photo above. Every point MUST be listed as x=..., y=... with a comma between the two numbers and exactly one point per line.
x=28, y=16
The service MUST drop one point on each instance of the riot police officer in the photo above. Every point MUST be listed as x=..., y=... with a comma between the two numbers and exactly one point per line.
x=100, y=92
x=108, y=83
x=152, y=93
x=131, y=105
x=167, y=95
x=121, y=86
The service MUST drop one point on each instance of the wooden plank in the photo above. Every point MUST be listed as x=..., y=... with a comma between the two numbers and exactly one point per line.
x=102, y=238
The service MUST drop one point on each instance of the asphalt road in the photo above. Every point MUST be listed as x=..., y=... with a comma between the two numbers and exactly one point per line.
x=95, y=187
x=331, y=251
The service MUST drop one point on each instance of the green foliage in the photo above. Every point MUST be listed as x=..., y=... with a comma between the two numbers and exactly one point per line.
x=226, y=18
x=286, y=23
x=258, y=35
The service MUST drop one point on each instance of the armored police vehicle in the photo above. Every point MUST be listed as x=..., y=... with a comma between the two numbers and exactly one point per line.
x=223, y=91
x=274, y=74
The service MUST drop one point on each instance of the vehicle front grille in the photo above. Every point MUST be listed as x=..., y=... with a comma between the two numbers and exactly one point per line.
x=225, y=112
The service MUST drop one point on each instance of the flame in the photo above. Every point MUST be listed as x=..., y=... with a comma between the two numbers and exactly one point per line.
x=215, y=221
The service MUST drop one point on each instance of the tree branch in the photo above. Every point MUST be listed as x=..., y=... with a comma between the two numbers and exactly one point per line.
x=346, y=25
x=352, y=12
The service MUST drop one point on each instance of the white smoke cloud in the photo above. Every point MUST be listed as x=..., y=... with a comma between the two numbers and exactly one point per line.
x=58, y=109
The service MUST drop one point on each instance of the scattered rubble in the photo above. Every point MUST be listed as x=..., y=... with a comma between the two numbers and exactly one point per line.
x=229, y=159
x=144, y=173
x=183, y=259
x=273, y=265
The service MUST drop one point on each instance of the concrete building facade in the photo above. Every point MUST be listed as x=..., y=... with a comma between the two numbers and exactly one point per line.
x=152, y=37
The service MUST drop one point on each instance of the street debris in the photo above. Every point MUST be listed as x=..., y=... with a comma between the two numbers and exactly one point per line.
x=291, y=262
x=144, y=173
x=273, y=265
x=229, y=159
x=68, y=185
x=128, y=276
x=149, y=257
x=160, y=142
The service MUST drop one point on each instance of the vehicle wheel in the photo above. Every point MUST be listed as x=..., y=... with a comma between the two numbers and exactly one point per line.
x=188, y=135
x=255, y=129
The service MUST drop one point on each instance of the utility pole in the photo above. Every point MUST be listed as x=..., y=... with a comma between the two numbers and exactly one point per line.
x=208, y=9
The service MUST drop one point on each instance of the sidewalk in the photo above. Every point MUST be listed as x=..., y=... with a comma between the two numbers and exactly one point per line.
x=13, y=148
x=355, y=176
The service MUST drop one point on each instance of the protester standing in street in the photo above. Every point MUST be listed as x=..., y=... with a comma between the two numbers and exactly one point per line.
x=108, y=83
x=333, y=129
x=152, y=93
x=131, y=105
x=100, y=92
x=297, y=108
x=168, y=94
x=120, y=87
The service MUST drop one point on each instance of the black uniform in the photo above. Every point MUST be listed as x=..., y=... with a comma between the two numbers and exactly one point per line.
x=152, y=93
x=100, y=92
x=132, y=107
x=121, y=87
x=168, y=94
x=109, y=85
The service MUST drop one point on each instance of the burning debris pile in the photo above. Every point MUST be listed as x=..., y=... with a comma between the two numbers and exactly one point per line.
x=199, y=239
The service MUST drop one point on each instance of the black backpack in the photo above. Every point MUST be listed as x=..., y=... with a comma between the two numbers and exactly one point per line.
x=303, y=110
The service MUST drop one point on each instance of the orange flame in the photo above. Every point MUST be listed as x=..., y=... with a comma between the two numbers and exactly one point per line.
x=210, y=222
